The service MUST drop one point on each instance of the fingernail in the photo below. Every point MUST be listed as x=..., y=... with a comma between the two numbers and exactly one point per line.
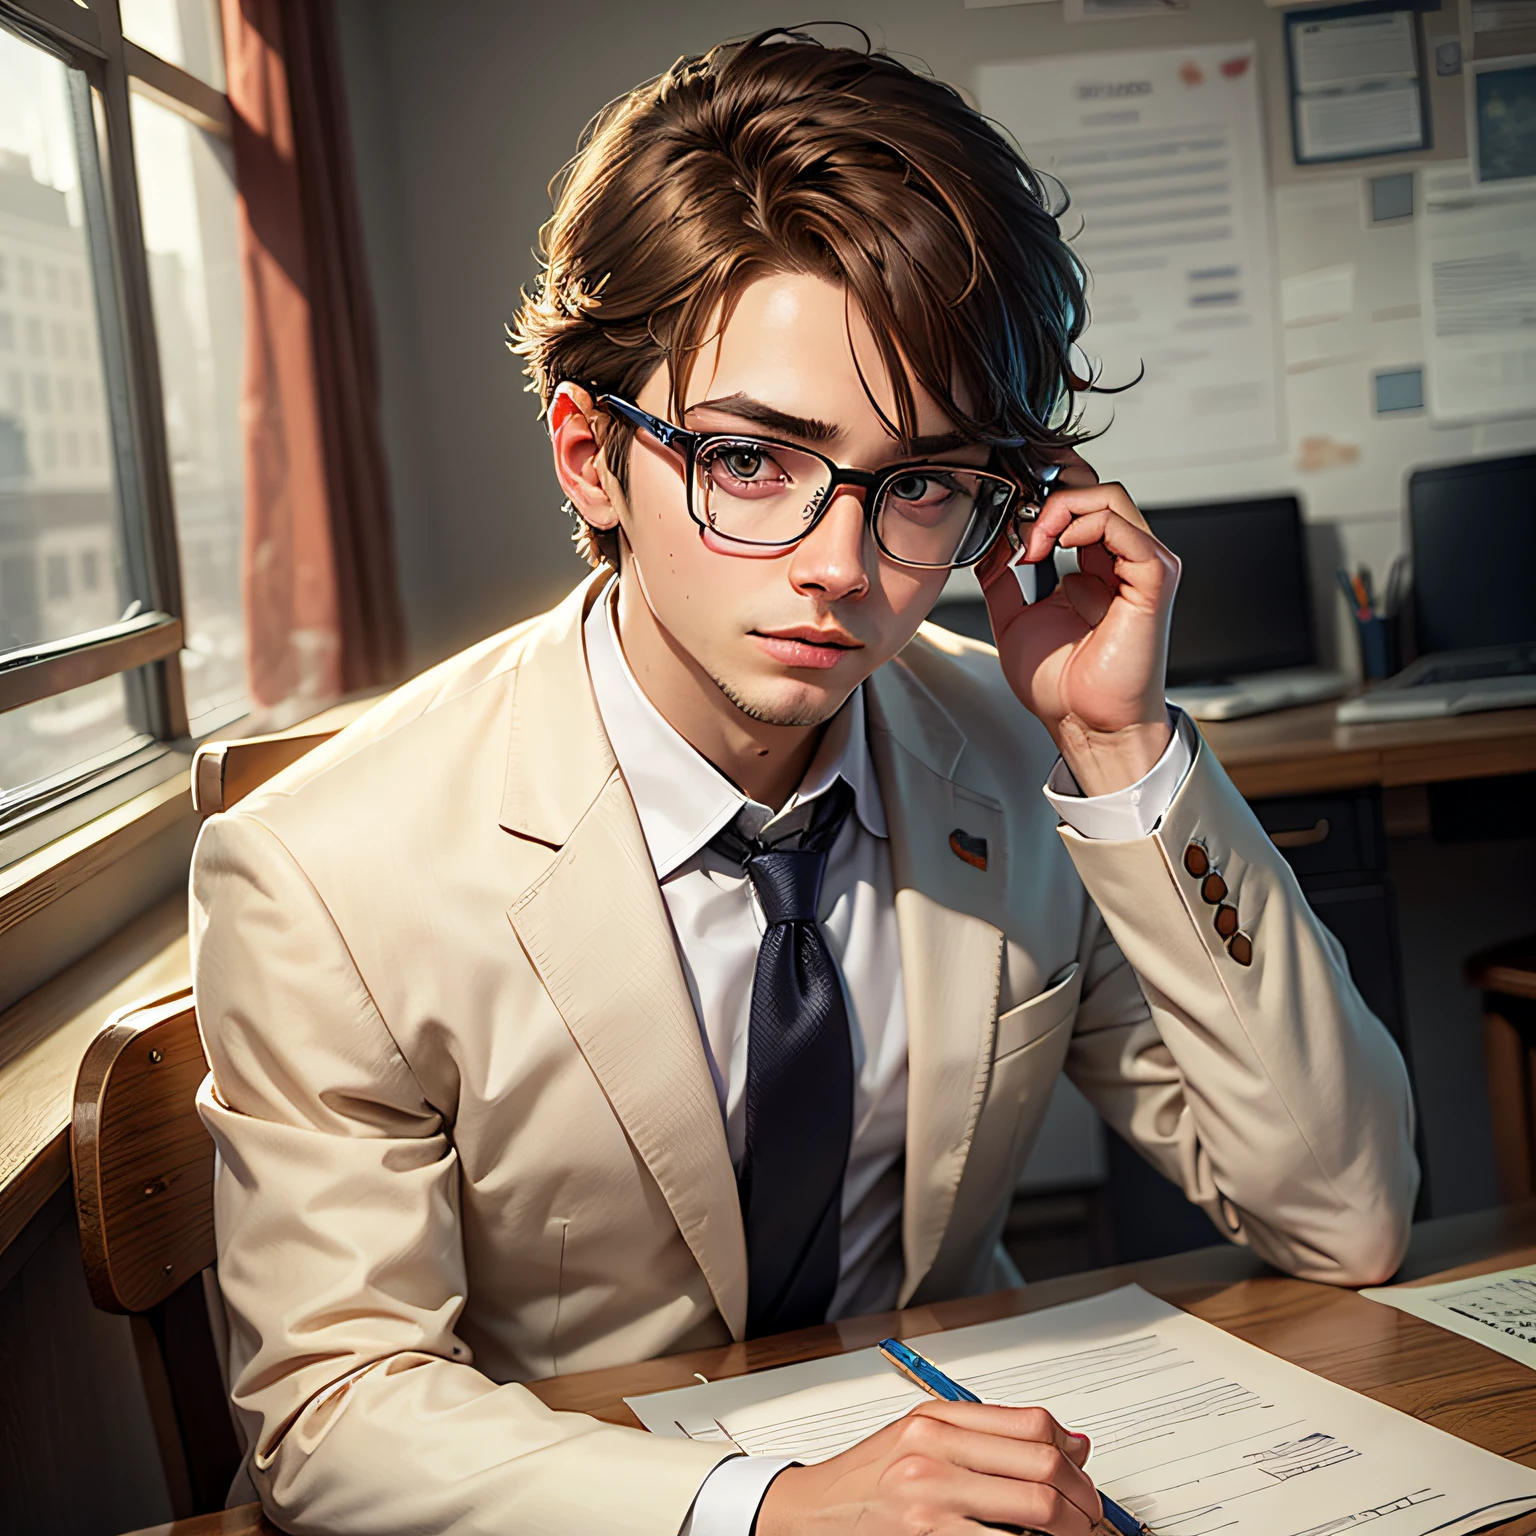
x=1080, y=1440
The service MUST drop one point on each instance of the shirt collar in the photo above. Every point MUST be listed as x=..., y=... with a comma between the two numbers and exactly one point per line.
x=682, y=800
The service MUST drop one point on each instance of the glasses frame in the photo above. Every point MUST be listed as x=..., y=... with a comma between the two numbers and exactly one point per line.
x=873, y=483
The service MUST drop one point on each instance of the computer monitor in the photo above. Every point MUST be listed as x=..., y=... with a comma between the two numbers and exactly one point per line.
x=1242, y=605
x=1472, y=530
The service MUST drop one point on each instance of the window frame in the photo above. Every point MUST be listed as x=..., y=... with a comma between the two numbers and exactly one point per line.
x=144, y=647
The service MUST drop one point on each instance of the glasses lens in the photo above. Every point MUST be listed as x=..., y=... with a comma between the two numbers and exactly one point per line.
x=938, y=515
x=756, y=492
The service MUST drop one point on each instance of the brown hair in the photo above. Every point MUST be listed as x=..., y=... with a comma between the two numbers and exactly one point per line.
x=783, y=154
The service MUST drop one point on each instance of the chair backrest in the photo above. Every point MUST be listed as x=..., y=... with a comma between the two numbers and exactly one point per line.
x=143, y=1162
x=143, y=1166
x=225, y=772
x=1506, y=976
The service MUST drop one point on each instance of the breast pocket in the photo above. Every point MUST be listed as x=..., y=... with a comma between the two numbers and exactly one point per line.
x=1032, y=1020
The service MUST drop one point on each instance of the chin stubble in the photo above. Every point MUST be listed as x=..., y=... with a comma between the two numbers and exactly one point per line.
x=766, y=714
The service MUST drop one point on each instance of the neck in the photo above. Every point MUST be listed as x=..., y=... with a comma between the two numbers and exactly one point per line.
x=766, y=762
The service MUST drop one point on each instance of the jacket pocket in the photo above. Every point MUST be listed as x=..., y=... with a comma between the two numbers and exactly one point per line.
x=1025, y=1024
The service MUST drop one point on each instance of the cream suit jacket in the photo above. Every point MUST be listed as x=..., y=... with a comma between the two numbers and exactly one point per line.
x=468, y=1137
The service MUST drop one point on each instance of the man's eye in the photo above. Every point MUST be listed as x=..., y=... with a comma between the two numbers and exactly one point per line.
x=745, y=463
x=925, y=489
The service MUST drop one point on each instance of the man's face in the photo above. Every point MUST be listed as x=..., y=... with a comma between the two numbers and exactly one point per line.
x=786, y=636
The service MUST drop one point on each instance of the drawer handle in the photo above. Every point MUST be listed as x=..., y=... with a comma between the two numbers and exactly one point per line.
x=1303, y=837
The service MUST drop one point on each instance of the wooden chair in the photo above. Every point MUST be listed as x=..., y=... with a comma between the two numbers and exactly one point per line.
x=143, y=1174
x=1506, y=975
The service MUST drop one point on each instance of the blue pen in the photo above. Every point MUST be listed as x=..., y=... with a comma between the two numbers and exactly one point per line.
x=925, y=1374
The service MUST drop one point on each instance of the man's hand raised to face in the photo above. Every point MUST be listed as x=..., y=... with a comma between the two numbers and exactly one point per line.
x=1089, y=659
x=942, y=1470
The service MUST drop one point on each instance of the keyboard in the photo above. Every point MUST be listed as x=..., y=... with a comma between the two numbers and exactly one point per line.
x=1259, y=692
x=1450, y=683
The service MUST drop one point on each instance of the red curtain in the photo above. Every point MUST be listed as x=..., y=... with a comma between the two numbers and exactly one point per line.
x=322, y=605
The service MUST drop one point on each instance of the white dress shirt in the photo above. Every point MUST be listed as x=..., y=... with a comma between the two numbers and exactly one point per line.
x=682, y=801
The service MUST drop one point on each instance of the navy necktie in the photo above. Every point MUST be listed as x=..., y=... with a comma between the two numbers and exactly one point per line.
x=799, y=1097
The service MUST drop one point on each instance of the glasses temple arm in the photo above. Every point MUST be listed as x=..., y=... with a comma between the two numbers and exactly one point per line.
x=663, y=431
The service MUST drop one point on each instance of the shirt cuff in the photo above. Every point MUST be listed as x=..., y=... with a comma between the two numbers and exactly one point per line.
x=728, y=1499
x=1133, y=812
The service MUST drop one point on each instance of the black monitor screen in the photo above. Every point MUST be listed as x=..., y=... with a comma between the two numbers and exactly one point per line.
x=1242, y=603
x=1473, y=534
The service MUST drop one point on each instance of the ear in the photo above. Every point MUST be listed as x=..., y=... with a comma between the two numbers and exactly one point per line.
x=579, y=465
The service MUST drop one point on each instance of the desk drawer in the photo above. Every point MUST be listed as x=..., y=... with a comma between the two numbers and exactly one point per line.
x=1326, y=834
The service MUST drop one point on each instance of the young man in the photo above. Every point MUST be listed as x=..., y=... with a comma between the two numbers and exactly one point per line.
x=695, y=961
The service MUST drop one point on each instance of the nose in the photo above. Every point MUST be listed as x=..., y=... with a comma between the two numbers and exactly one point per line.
x=831, y=562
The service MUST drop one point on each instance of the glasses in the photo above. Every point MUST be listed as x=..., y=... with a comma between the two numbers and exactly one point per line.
x=769, y=495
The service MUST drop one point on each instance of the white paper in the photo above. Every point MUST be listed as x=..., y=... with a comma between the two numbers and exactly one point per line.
x=1477, y=261
x=1332, y=52
x=1193, y=1430
x=1323, y=294
x=1161, y=153
x=1342, y=125
x=1498, y=1310
x=1120, y=10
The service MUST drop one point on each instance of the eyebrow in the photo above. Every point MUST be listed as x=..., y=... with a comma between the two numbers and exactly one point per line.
x=811, y=429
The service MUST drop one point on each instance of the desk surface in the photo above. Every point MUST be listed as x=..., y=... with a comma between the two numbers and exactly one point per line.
x=1439, y=1377
x=1299, y=751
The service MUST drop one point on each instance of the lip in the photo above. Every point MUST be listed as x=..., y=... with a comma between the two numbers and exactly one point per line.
x=804, y=645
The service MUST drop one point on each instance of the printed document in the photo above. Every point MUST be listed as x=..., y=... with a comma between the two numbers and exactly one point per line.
x=1498, y=1310
x=1477, y=257
x=1161, y=154
x=1193, y=1430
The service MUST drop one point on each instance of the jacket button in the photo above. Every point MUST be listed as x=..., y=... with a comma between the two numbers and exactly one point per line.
x=1240, y=947
x=1213, y=888
x=1226, y=920
x=1196, y=860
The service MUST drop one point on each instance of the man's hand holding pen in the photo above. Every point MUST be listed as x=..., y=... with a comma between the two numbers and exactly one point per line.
x=943, y=1470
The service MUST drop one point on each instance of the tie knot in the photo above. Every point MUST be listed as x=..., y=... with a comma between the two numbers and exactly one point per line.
x=788, y=883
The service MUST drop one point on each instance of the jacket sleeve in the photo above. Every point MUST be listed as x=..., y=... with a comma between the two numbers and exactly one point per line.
x=340, y=1254
x=1267, y=1091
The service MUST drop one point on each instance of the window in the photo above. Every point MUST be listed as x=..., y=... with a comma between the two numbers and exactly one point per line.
x=121, y=464
x=187, y=194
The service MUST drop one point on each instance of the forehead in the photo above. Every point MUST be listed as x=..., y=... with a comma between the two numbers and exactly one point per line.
x=796, y=342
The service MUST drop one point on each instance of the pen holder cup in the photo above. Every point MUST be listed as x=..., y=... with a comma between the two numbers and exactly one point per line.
x=1378, y=646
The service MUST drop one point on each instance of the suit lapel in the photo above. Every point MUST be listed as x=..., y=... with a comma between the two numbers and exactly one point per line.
x=951, y=944
x=595, y=927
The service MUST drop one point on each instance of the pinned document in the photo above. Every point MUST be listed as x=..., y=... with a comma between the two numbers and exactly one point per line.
x=1193, y=1430
x=1162, y=154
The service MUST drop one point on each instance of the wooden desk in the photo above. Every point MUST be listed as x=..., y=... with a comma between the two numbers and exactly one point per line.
x=1439, y=1377
x=1300, y=751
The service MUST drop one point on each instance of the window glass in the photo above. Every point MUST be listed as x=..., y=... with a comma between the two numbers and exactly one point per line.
x=69, y=734
x=58, y=499
x=187, y=193
x=184, y=32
